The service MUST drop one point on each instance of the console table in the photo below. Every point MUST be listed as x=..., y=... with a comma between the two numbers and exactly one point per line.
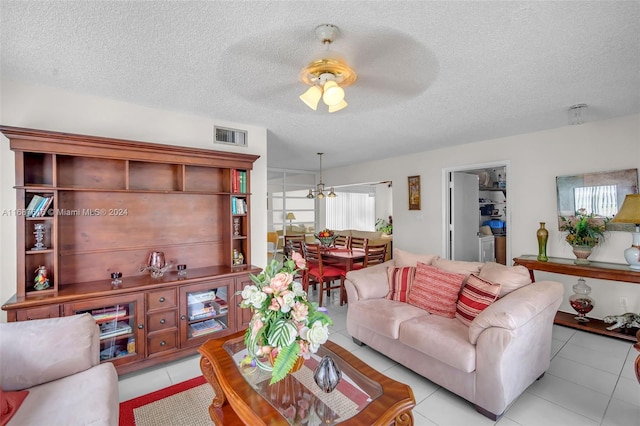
x=598, y=270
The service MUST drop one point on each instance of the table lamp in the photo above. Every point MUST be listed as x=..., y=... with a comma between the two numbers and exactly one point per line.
x=290, y=217
x=630, y=213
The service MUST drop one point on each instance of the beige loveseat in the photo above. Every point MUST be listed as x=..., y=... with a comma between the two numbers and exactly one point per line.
x=57, y=361
x=491, y=361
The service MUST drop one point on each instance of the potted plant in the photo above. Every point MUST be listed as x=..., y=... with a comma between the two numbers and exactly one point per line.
x=384, y=226
x=585, y=231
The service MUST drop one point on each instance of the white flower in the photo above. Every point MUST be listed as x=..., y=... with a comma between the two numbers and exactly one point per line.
x=297, y=289
x=316, y=335
x=257, y=299
x=248, y=291
x=288, y=300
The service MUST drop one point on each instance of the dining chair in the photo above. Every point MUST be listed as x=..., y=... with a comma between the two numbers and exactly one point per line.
x=358, y=242
x=342, y=241
x=287, y=243
x=375, y=254
x=322, y=274
x=272, y=245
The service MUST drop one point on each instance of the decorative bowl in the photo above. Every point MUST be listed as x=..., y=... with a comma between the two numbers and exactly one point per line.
x=327, y=241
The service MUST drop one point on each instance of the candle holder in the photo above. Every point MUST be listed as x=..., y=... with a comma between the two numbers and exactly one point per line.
x=39, y=231
x=116, y=278
x=236, y=226
x=182, y=270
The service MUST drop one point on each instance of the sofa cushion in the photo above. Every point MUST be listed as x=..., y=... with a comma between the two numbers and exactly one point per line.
x=444, y=339
x=458, y=266
x=477, y=294
x=400, y=280
x=405, y=258
x=86, y=398
x=510, y=278
x=72, y=336
x=9, y=404
x=435, y=290
x=383, y=316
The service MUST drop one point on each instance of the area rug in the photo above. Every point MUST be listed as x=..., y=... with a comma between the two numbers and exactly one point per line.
x=185, y=403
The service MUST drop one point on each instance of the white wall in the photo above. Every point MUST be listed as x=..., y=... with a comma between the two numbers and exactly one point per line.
x=46, y=108
x=536, y=159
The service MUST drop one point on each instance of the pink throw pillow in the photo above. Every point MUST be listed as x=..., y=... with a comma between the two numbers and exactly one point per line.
x=400, y=280
x=435, y=290
x=477, y=294
x=9, y=404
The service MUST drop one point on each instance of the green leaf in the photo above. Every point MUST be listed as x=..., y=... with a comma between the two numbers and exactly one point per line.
x=284, y=362
x=281, y=333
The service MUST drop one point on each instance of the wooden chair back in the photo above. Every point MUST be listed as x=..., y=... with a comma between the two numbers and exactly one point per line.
x=358, y=242
x=320, y=273
x=375, y=254
x=342, y=241
x=288, y=239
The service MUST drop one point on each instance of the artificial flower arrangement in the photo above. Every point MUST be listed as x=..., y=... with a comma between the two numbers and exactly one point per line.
x=585, y=229
x=285, y=325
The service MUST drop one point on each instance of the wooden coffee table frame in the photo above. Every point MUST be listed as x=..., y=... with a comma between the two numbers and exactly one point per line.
x=237, y=403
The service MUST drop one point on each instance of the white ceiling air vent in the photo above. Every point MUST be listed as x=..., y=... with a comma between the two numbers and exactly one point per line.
x=230, y=136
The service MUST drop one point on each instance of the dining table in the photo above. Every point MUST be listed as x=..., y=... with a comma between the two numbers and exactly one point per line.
x=343, y=255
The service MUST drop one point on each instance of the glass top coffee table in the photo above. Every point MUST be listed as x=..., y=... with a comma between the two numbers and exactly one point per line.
x=244, y=396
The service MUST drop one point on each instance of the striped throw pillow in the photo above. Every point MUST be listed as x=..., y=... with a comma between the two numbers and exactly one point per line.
x=400, y=280
x=476, y=296
x=435, y=290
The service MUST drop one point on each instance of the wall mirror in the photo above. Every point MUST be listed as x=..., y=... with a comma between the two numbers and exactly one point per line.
x=600, y=193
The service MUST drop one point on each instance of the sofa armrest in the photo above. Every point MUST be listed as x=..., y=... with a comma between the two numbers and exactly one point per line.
x=368, y=283
x=517, y=308
x=39, y=351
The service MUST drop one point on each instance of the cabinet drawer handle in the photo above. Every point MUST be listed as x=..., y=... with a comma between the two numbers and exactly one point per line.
x=161, y=299
x=163, y=343
x=162, y=321
x=183, y=317
x=140, y=326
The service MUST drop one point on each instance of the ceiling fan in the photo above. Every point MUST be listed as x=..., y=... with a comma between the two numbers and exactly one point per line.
x=328, y=75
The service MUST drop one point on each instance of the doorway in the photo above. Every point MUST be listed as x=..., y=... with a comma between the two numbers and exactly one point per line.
x=491, y=205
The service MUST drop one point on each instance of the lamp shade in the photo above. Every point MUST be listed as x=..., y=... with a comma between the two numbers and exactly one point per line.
x=630, y=210
x=333, y=94
x=311, y=97
x=291, y=216
x=338, y=107
x=630, y=213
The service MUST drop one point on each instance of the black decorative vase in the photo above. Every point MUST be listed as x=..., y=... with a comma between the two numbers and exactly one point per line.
x=327, y=374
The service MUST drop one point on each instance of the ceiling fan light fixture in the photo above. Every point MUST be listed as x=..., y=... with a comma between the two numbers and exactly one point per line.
x=332, y=194
x=311, y=97
x=332, y=94
x=338, y=107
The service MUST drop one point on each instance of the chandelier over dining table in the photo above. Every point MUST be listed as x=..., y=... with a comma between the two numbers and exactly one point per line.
x=320, y=187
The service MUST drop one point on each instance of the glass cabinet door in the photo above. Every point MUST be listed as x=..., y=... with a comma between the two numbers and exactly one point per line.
x=205, y=311
x=120, y=323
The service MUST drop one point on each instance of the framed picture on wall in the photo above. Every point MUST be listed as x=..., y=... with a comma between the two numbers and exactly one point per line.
x=414, y=192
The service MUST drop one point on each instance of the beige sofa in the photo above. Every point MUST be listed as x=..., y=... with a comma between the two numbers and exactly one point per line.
x=57, y=361
x=490, y=362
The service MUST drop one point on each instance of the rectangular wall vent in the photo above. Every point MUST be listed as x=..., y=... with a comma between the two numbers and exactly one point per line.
x=230, y=136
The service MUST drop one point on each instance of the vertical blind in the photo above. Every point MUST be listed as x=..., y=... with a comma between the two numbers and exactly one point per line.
x=351, y=211
x=599, y=200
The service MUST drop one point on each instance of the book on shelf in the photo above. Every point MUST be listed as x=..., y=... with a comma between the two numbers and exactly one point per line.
x=110, y=313
x=114, y=328
x=33, y=204
x=42, y=210
x=221, y=305
x=205, y=327
x=238, y=181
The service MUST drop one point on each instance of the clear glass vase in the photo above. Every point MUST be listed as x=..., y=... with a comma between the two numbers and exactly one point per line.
x=581, y=301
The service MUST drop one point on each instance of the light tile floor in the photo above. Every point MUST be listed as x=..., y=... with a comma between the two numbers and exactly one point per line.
x=590, y=382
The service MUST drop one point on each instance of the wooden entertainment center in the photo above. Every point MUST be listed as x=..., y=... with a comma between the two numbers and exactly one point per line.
x=112, y=203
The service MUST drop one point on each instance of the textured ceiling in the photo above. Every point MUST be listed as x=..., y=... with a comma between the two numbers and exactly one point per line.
x=430, y=74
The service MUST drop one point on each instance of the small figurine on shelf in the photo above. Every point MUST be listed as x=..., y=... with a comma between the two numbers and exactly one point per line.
x=238, y=258
x=41, y=282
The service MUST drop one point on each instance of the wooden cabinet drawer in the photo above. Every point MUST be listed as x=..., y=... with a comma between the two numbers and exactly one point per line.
x=161, y=299
x=162, y=320
x=162, y=342
x=41, y=312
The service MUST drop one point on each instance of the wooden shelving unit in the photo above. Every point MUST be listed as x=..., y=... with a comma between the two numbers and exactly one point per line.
x=114, y=202
x=598, y=270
